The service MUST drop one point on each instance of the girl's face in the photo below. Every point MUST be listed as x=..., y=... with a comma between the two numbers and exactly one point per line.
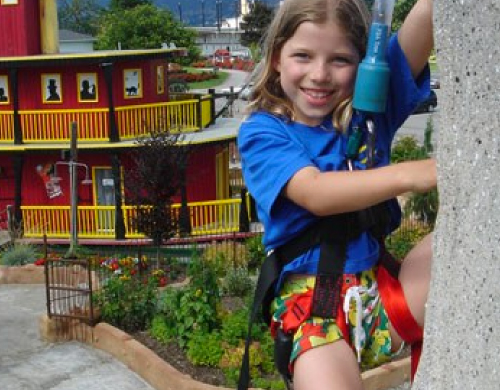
x=317, y=67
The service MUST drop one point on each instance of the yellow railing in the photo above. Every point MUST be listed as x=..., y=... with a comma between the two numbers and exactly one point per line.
x=54, y=125
x=7, y=125
x=206, y=110
x=175, y=116
x=214, y=217
x=93, y=124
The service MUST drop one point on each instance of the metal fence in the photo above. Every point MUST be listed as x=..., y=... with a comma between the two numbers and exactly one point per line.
x=69, y=285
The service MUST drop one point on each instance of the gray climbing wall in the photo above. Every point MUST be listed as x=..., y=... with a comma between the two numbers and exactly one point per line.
x=462, y=336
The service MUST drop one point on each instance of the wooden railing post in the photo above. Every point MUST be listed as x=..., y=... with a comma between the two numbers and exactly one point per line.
x=199, y=118
x=212, y=106
x=244, y=221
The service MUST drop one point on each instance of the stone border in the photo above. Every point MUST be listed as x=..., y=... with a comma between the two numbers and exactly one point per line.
x=24, y=274
x=162, y=376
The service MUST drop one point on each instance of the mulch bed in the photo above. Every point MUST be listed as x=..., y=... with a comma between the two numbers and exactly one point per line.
x=176, y=357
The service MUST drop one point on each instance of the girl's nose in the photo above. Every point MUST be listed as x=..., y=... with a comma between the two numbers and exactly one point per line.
x=320, y=72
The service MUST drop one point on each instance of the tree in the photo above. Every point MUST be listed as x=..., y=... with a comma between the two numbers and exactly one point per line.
x=401, y=9
x=157, y=176
x=127, y=4
x=145, y=27
x=255, y=23
x=80, y=15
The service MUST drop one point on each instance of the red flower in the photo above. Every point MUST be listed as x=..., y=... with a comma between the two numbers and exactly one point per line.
x=40, y=262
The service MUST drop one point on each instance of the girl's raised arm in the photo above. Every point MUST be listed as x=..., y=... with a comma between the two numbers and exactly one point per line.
x=416, y=35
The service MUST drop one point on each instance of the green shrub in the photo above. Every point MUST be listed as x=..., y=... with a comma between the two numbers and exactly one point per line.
x=205, y=349
x=224, y=255
x=192, y=308
x=234, y=327
x=256, y=252
x=404, y=239
x=423, y=206
x=19, y=254
x=128, y=303
x=203, y=276
x=161, y=330
x=261, y=360
x=186, y=310
x=237, y=282
x=407, y=149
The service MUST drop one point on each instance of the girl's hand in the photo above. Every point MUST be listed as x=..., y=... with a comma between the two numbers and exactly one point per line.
x=421, y=174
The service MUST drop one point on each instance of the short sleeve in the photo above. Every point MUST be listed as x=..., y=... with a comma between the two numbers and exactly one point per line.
x=269, y=157
x=405, y=92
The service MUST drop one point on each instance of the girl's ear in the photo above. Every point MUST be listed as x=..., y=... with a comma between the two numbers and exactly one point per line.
x=276, y=62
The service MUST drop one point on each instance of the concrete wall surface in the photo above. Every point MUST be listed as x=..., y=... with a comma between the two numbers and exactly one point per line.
x=462, y=336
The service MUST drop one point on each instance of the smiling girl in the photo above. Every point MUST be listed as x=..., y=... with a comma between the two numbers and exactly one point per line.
x=315, y=208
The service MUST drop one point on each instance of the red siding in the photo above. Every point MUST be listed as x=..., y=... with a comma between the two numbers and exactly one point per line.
x=6, y=184
x=201, y=175
x=149, y=92
x=31, y=89
x=20, y=29
x=201, y=178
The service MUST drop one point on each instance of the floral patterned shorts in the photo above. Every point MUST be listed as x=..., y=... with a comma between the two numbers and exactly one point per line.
x=369, y=333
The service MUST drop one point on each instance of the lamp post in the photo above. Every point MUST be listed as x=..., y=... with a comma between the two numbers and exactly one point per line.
x=203, y=13
x=218, y=11
x=236, y=14
x=180, y=10
x=73, y=165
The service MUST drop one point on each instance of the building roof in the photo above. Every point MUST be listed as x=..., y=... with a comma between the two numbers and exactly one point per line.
x=224, y=130
x=95, y=57
x=72, y=36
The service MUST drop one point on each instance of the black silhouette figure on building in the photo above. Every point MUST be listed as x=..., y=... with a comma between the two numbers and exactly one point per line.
x=53, y=95
x=87, y=92
x=3, y=97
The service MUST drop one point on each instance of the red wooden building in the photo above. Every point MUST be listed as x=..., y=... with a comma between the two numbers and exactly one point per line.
x=113, y=97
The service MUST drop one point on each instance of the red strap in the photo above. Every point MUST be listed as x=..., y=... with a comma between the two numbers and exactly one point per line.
x=416, y=351
x=393, y=299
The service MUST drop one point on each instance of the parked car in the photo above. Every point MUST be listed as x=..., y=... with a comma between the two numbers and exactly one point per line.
x=435, y=83
x=428, y=104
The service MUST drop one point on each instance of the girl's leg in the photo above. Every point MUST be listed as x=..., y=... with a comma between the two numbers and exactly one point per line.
x=415, y=277
x=331, y=366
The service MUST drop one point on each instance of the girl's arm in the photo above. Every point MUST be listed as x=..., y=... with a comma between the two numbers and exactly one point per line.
x=416, y=35
x=327, y=193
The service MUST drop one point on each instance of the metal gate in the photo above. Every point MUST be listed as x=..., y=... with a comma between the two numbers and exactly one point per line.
x=69, y=285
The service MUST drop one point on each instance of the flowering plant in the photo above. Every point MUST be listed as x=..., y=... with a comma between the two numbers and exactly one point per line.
x=126, y=267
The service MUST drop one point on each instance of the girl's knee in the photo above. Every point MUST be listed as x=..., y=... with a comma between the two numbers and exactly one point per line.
x=415, y=277
x=331, y=366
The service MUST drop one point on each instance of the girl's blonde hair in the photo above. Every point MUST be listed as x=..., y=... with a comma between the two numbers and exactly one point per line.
x=351, y=15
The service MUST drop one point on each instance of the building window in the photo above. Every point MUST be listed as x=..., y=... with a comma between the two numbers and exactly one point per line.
x=160, y=79
x=132, y=81
x=51, y=88
x=4, y=90
x=87, y=87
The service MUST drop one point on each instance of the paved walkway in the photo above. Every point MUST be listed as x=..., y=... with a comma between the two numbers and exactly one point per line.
x=27, y=363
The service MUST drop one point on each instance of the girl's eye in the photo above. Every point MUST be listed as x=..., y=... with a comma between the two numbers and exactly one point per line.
x=342, y=60
x=301, y=55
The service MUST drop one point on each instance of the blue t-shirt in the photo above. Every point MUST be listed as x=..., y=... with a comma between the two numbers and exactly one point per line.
x=273, y=149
